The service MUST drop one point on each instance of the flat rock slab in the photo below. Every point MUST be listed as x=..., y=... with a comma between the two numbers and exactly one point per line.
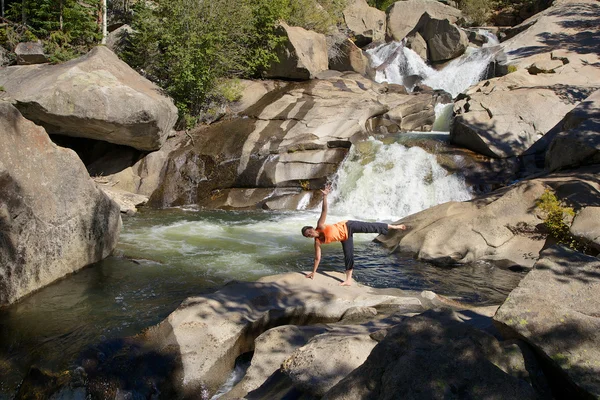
x=556, y=309
x=96, y=96
x=209, y=332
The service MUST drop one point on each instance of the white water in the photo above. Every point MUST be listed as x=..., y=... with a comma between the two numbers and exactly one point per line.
x=394, y=63
x=386, y=182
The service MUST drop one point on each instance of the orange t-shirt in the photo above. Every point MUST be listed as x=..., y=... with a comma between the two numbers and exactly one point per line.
x=334, y=233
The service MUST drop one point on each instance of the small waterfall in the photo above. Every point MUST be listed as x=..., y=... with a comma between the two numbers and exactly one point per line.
x=443, y=117
x=395, y=63
x=386, y=182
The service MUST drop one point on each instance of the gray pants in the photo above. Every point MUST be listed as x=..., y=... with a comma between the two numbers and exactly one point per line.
x=359, y=227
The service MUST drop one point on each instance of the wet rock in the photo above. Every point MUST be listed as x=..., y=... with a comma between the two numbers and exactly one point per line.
x=53, y=218
x=445, y=40
x=555, y=309
x=416, y=43
x=95, y=96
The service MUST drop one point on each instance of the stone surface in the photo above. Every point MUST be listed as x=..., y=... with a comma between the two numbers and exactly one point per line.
x=575, y=140
x=302, y=56
x=555, y=309
x=30, y=53
x=501, y=227
x=230, y=320
x=350, y=58
x=403, y=16
x=294, y=137
x=505, y=116
x=53, y=218
x=416, y=43
x=117, y=38
x=127, y=201
x=96, y=96
x=253, y=91
x=436, y=356
x=366, y=24
x=586, y=226
x=445, y=40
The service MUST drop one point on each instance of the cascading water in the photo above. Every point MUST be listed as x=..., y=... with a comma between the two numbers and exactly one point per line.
x=395, y=63
x=386, y=182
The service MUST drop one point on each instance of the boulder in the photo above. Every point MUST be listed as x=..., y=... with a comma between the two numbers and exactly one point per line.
x=555, y=309
x=118, y=37
x=349, y=58
x=53, y=218
x=4, y=58
x=416, y=43
x=503, y=117
x=302, y=56
x=436, y=355
x=586, y=225
x=578, y=139
x=127, y=201
x=502, y=227
x=404, y=16
x=30, y=53
x=445, y=40
x=252, y=91
x=230, y=320
x=414, y=112
x=96, y=96
x=366, y=24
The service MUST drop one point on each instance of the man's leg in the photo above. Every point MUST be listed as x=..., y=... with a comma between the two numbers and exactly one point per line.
x=348, y=247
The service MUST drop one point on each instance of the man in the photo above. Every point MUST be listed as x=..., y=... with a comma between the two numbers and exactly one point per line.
x=341, y=232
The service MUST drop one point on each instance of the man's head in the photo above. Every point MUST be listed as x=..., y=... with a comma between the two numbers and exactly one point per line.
x=309, y=232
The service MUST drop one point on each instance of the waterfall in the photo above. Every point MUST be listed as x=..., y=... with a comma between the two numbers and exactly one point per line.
x=386, y=182
x=395, y=63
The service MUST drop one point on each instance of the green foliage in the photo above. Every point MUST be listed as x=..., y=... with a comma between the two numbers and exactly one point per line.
x=381, y=4
x=68, y=28
x=319, y=16
x=556, y=215
x=512, y=68
x=478, y=12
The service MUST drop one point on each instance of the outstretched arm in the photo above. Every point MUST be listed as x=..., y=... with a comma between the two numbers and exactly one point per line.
x=321, y=221
x=317, y=260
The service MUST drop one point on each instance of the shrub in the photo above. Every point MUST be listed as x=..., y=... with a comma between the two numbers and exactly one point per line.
x=477, y=12
x=512, y=68
x=556, y=216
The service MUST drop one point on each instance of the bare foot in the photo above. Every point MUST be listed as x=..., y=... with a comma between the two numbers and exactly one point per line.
x=401, y=227
x=346, y=283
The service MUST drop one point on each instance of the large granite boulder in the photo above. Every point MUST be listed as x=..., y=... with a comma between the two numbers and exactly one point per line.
x=404, y=16
x=586, y=227
x=436, y=355
x=577, y=141
x=208, y=332
x=558, y=66
x=445, y=40
x=555, y=309
x=366, y=24
x=30, y=53
x=349, y=58
x=53, y=218
x=96, y=96
x=502, y=227
x=302, y=56
x=293, y=137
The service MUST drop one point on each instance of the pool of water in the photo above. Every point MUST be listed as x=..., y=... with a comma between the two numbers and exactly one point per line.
x=165, y=256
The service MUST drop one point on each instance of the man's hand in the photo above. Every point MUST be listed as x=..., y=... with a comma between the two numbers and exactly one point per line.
x=311, y=275
x=326, y=190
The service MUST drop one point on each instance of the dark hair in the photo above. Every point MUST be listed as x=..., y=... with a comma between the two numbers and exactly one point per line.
x=305, y=228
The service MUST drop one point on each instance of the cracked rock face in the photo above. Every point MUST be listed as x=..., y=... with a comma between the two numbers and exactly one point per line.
x=286, y=145
x=53, y=218
x=555, y=309
x=558, y=66
x=96, y=96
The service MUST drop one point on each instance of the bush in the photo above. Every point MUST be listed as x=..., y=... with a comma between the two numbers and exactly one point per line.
x=478, y=12
x=556, y=216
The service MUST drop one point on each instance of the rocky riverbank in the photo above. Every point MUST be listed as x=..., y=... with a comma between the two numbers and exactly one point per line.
x=534, y=130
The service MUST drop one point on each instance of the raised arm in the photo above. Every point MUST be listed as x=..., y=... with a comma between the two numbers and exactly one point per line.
x=317, y=260
x=323, y=217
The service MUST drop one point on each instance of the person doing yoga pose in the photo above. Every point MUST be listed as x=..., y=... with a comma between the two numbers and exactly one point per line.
x=341, y=232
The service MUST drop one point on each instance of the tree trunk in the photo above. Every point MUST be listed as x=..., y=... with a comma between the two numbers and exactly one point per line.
x=60, y=17
x=2, y=8
x=24, y=12
x=104, y=32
